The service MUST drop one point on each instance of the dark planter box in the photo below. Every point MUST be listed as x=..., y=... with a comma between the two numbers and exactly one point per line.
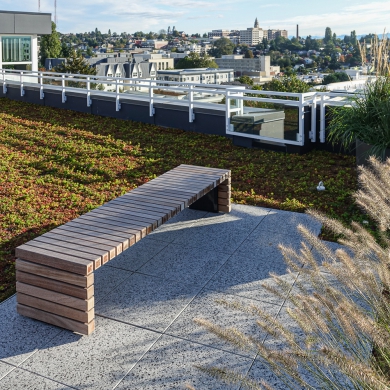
x=363, y=153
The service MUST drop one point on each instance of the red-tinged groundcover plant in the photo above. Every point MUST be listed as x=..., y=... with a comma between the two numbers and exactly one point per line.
x=57, y=164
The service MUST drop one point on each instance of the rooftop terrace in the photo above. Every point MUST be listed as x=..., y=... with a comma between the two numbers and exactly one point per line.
x=146, y=300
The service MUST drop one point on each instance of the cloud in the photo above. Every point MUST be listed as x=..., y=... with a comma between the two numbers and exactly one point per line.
x=202, y=16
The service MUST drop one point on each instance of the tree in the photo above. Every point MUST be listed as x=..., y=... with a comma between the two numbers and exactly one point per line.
x=353, y=38
x=222, y=47
x=109, y=32
x=328, y=35
x=205, y=35
x=50, y=46
x=65, y=50
x=76, y=65
x=194, y=60
x=89, y=52
x=248, y=54
x=287, y=84
x=245, y=80
x=335, y=78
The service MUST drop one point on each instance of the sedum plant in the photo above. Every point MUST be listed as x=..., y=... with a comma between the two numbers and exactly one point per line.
x=341, y=305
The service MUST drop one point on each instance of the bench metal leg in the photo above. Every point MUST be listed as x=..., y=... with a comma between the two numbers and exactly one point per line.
x=208, y=202
x=216, y=200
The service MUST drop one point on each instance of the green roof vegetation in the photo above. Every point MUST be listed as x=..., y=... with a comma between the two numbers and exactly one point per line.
x=57, y=164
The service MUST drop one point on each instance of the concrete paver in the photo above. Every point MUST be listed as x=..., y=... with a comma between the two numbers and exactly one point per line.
x=146, y=300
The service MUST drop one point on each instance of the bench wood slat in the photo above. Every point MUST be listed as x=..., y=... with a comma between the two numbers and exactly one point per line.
x=55, y=308
x=219, y=171
x=56, y=297
x=113, y=246
x=178, y=205
x=201, y=177
x=197, y=177
x=136, y=203
x=128, y=216
x=55, y=239
x=57, y=250
x=202, y=173
x=134, y=212
x=55, y=285
x=158, y=194
x=179, y=189
x=57, y=320
x=127, y=239
x=199, y=191
x=54, y=273
x=224, y=187
x=112, y=223
x=61, y=261
x=185, y=179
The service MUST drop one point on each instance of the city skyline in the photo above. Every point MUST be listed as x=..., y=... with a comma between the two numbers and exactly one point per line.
x=199, y=16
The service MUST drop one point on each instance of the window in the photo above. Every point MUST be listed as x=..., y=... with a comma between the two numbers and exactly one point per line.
x=16, y=49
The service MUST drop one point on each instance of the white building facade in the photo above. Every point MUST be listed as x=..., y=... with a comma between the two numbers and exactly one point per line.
x=241, y=65
x=197, y=75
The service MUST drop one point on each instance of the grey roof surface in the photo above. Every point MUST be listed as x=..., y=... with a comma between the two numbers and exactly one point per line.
x=25, y=23
x=146, y=300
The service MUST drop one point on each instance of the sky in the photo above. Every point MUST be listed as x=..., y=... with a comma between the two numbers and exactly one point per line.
x=199, y=16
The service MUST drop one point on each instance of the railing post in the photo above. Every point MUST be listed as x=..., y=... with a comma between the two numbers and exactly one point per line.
x=313, y=132
x=63, y=89
x=191, y=103
x=89, y=100
x=21, y=84
x=227, y=109
x=118, y=103
x=41, y=94
x=322, y=119
x=301, y=125
x=151, y=100
x=4, y=82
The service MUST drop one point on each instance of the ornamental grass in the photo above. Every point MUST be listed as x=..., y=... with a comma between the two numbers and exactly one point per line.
x=341, y=305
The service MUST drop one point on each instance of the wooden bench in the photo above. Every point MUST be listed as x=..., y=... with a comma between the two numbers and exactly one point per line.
x=54, y=272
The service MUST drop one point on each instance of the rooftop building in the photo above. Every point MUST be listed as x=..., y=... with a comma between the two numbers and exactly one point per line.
x=19, y=38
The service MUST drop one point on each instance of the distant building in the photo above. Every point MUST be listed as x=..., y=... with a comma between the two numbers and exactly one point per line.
x=154, y=44
x=273, y=34
x=251, y=36
x=162, y=61
x=243, y=65
x=129, y=70
x=19, y=38
x=219, y=34
x=197, y=75
x=51, y=63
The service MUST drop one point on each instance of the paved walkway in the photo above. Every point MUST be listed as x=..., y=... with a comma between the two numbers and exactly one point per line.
x=146, y=300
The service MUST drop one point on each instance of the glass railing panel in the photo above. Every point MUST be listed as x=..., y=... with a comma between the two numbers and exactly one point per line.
x=271, y=120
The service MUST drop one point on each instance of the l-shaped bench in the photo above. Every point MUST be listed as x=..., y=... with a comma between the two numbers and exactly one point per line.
x=54, y=272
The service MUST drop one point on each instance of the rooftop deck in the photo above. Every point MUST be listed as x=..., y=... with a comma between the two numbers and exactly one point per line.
x=146, y=299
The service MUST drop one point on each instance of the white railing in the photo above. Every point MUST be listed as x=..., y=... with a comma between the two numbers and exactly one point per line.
x=192, y=96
